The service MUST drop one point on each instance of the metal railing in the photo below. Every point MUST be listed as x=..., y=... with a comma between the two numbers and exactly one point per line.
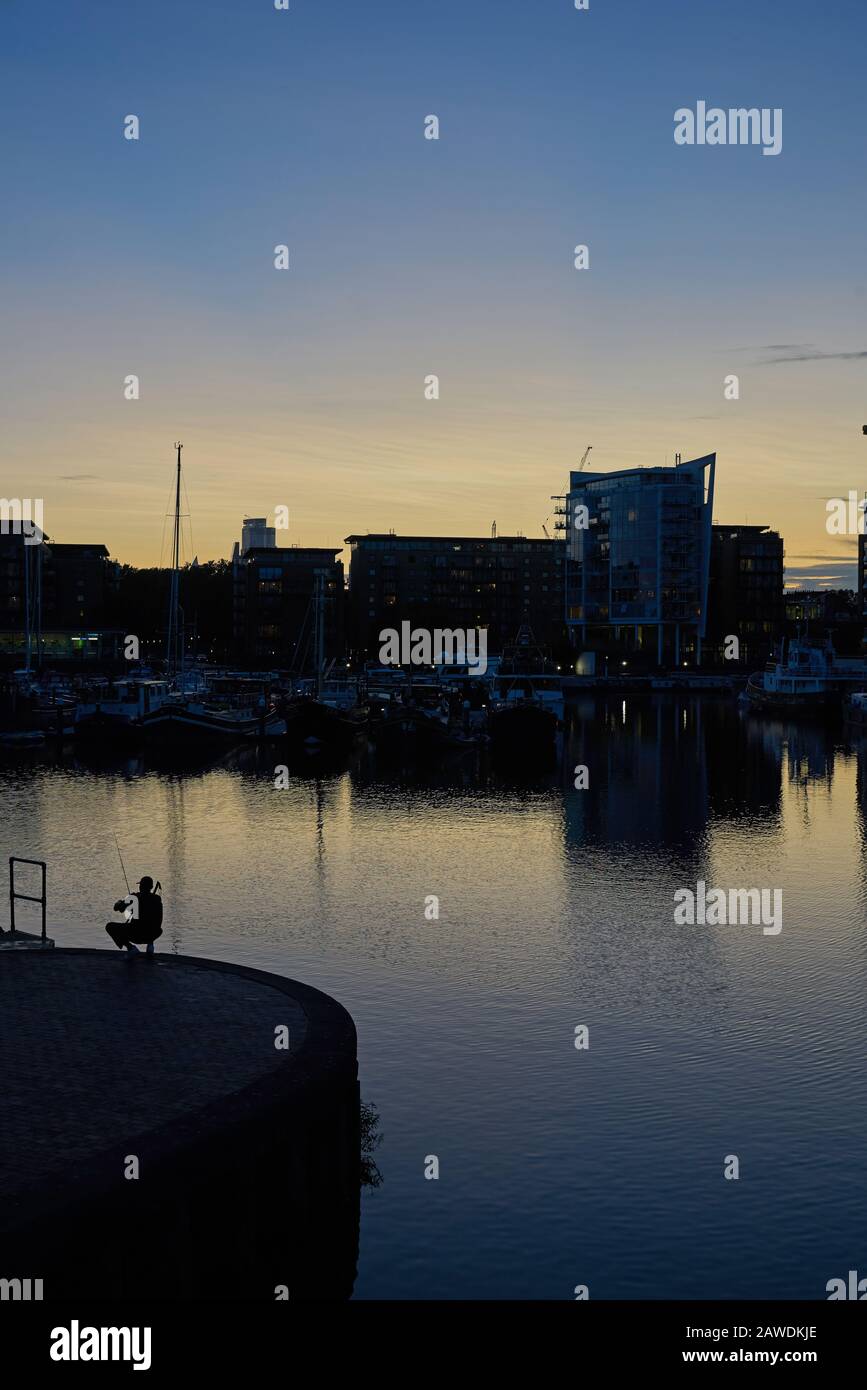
x=27, y=897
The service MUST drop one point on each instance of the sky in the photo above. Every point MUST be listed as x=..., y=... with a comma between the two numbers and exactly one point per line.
x=305, y=388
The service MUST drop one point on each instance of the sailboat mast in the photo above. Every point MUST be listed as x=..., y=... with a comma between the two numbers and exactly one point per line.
x=319, y=629
x=28, y=620
x=38, y=605
x=173, y=634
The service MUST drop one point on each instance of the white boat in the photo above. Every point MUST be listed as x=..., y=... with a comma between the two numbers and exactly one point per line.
x=122, y=710
x=808, y=678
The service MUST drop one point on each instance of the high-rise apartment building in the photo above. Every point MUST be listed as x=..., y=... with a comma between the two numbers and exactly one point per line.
x=638, y=556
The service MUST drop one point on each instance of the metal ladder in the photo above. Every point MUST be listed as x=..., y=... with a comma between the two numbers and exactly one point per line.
x=27, y=897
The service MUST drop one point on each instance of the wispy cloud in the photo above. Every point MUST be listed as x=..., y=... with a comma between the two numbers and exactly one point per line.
x=822, y=560
x=805, y=352
x=797, y=352
x=770, y=347
x=822, y=576
x=77, y=477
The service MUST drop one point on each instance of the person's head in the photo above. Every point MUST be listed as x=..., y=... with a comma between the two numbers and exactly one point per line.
x=146, y=884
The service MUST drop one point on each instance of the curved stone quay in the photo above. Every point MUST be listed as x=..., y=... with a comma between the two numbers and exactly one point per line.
x=174, y=1128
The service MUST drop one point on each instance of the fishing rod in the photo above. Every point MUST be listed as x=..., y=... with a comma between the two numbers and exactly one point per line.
x=123, y=870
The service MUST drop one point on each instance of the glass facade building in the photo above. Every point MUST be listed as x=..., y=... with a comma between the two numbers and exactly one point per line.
x=638, y=557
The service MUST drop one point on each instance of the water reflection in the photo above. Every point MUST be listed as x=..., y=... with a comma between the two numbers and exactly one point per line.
x=555, y=908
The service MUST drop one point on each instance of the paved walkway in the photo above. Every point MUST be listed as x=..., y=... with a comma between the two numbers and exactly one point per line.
x=97, y=1050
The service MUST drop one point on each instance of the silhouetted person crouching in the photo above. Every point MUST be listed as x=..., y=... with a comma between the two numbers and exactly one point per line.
x=143, y=919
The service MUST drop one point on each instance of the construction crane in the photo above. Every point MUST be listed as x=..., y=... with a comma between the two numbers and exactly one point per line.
x=560, y=526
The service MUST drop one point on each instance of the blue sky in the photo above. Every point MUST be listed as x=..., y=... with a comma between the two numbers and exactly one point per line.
x=411, y=257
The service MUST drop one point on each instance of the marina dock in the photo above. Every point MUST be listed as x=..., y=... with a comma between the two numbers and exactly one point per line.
x=159, y=1140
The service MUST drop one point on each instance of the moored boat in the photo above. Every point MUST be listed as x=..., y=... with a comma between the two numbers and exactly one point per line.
x=435, y=734
x=855, y=710
x=527, y=702
x=312, y=721
x=808, y=679
x=121, y=711
x=199, y=719
x=522, y=720
x=21, y=738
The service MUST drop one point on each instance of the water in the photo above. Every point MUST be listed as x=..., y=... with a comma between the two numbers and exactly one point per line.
x=558, y=1167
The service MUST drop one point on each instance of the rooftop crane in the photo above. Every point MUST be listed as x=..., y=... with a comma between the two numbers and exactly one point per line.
x=584, y=459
